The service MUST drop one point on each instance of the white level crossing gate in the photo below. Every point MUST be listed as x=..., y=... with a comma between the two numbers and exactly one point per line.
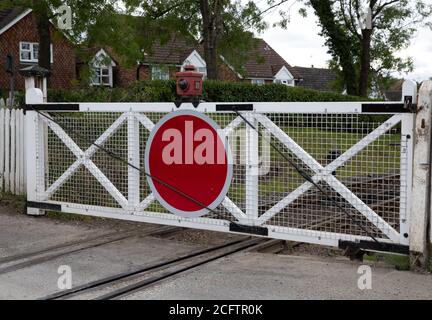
x=82, y=159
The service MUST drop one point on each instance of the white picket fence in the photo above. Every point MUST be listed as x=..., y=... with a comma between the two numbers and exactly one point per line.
x=12, y=151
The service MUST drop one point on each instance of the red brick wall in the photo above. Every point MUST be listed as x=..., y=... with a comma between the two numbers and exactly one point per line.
x=144, y=73
x=63, y=68
x=124, y=76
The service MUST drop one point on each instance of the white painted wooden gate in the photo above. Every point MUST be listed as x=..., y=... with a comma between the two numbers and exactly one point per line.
x=359, y=153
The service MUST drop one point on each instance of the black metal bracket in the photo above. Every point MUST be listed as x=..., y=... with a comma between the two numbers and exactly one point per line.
x=232, y=107
x=406, y=107
x=408, y=102
x=261, y=231
x=195, y=102
x=52, y=107
x=364, y=245
x=43, y=206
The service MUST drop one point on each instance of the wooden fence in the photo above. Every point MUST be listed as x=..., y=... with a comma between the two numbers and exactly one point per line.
x=12, y=151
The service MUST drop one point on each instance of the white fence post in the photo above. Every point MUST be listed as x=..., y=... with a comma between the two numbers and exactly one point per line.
x=34, y=139
x=2, y=147
x=420, y=209
x=7, y=152
x=12, y=151
x=252, y=160
x=134, y=159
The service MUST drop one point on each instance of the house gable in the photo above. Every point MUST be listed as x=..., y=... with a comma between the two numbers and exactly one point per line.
x=22, y=29
x=283, y=76
x=195, y=59
x=11, y=17
x=101, y=58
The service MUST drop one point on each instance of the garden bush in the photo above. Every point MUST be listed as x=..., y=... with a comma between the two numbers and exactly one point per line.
x=164, y=91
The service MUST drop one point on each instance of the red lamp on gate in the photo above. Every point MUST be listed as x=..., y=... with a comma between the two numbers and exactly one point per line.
x=189, y=85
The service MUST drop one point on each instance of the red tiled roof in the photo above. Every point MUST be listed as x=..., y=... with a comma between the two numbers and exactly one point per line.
x=265, y=62
x=174, y=51
x=178, y=48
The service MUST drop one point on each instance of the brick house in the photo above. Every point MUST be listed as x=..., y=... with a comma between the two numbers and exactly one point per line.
x=19, y=38
x=168, y=58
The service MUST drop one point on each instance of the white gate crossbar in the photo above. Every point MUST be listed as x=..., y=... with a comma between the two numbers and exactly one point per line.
x=326, y=173
x=94, y=170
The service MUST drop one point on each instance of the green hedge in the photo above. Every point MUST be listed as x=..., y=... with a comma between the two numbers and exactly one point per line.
x=164, y=91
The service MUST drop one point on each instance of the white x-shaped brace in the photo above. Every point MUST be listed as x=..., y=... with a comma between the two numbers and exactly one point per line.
x=84, y=158
x=325, y=173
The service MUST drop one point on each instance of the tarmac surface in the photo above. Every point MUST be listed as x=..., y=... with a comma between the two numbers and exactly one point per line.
x=249, y=275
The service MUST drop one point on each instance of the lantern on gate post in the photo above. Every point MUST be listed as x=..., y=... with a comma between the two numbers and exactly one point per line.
x=189, y=85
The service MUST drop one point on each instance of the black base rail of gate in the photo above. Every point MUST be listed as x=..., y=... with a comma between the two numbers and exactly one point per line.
x=361, y=246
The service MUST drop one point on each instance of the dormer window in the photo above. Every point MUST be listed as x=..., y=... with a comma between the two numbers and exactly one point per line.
x=283, y=76
x=102, y=70
x=197, y=61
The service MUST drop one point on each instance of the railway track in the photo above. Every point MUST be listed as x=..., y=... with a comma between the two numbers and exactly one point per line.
x=20, y=261
x=124, y=284
x=121, y=285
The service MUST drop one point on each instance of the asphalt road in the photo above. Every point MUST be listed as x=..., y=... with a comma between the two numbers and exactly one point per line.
x=241, y=276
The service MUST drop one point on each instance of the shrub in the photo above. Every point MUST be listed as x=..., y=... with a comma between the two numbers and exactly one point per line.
x=164, y=91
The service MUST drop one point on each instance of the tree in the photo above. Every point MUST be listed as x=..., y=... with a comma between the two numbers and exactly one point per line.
x=223, y=26
x=364, y=37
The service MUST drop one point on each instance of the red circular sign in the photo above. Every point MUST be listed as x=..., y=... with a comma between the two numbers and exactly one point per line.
x=189, y=163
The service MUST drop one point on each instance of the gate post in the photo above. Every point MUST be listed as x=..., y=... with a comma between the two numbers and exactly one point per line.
x=421, y=188
x=34, y=133
x=134, y=159
x=252, y=160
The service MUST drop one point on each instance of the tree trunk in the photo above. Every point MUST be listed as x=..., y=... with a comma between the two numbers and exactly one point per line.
x=365, y=62
x=209, y=40
x=43, y=28
x=338, y=42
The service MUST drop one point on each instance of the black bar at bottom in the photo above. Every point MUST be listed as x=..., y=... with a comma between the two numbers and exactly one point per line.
x=261, y=231
x=373, y=246
x=43, y=205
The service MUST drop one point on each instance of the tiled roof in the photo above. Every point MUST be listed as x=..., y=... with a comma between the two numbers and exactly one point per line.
x=178, y=48
x=8, y=15
x=316, y=78
x=265, y=62
x=174, y=51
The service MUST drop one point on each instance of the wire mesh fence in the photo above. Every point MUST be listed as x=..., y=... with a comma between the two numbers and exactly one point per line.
x=357, y=161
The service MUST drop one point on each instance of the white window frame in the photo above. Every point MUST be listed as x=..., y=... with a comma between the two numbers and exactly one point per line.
x=287, y=82
x=98, y=74
x=33, y=58
x=98, y=65
x=161, y=71
x=258, y=81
